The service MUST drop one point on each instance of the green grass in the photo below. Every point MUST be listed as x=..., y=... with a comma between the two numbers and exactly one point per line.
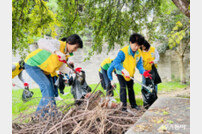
x=18, y=106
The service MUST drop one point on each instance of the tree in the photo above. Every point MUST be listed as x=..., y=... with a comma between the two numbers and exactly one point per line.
x=106, y=21
x=184, y=6
x=179, y=39
x=174, y=30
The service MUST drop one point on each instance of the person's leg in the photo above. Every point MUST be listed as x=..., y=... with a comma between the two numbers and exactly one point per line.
x=102, y=81
x=131, y=93
x=143, y=81
x=156, y=88
x=123, y=96
x=107, y=83
x=46, y=87
x=55, y=87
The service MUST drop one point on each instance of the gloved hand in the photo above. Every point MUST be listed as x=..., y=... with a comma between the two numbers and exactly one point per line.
x=113, y=84
x=71, y=64
x=26, y=85
x=151, y=62
x=125, y=73
x=78, y=69
x=61, y=56
x=146, y=74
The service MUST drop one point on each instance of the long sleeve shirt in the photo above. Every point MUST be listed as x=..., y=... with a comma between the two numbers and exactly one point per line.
x=118, y=64
x=52, y=45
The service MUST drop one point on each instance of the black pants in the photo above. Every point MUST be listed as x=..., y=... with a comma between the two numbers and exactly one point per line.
x=123, y=95
x=107, y=83
x=55, y=87
x=102, y=81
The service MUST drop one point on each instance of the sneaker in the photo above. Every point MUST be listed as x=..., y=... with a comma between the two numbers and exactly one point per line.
x=135, y=107
x=58, y=98
x=124, y=109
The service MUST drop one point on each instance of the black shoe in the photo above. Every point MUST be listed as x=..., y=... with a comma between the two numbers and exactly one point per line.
x=124, y=109
x=135, y=107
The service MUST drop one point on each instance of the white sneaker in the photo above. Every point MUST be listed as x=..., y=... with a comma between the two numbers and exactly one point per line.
x=58, y=98
x=112, y=99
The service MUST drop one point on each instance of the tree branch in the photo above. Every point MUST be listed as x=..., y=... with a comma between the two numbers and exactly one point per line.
x=183, y=6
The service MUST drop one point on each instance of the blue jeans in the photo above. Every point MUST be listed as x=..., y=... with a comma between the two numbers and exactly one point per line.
x=46, y=86
x=144, y=82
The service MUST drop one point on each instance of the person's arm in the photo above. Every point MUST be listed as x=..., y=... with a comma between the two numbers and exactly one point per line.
x=109, y=72
x=20, y=77
x=140, y=66
x=13, y=67
x=116, y=64
x=118, y=60
x=156, y=57
x=51, y=45
x=64, y=69
x=142, y=71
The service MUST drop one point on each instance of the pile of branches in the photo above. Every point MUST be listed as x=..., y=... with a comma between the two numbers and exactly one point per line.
x=90, y=117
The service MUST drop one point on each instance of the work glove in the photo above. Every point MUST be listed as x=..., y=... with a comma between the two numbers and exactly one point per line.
x=151, y=62
x=78, y=69
x=71, y=64
x=125, y=73
x=113, y=84
x=146, y=74
x=26, y=85
x=62, y=57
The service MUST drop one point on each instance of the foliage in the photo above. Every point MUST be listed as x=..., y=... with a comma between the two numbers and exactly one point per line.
x=30, y=21
x=173, y=26
x=110, y=21
x=107, y=20
x=101, y=21
x=178, y=33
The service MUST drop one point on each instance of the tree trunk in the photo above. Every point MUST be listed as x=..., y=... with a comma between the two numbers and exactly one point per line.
x=182, y=69
x=183, y=5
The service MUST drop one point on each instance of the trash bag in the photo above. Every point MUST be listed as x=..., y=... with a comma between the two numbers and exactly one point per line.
x=149, y=97
x=26, y=95
x=155, y=75
x=79, y=87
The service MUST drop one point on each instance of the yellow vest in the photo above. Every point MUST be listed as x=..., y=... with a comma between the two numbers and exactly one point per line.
x=130, y=62
x=99, y=69
x=45, y=60
x=148, y=57
x=105, y=62
x=17, y=70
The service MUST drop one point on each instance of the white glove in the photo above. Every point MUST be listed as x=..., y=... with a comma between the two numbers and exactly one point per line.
x=113, y=83
x=64, y=69
x=125, y=73
x=62, y=56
